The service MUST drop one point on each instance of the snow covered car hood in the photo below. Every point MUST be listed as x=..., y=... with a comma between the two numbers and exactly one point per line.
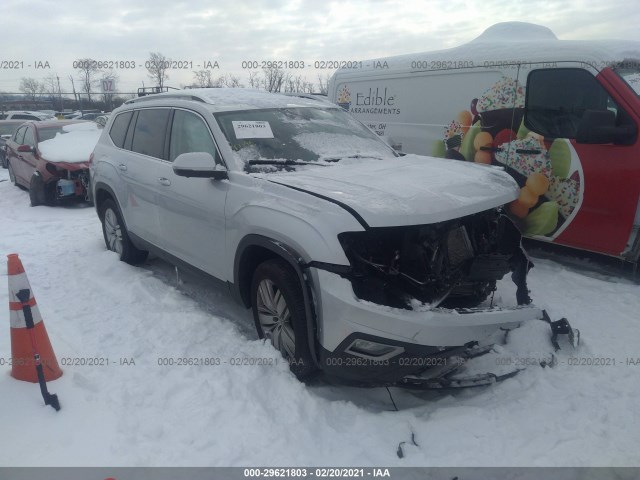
x=409, y=190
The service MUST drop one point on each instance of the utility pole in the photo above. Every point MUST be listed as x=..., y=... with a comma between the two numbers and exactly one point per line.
x=73, y=86
x=60, y=94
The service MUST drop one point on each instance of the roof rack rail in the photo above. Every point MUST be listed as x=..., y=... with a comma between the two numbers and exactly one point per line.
x=144, y=91
x=165, y=96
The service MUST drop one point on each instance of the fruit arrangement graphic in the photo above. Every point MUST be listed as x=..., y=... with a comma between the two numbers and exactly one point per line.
x=547, y=170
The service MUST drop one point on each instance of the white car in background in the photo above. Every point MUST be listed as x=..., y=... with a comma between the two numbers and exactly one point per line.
x=24, y=115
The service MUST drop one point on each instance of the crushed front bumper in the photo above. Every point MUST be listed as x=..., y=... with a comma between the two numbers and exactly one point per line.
x=417, y=340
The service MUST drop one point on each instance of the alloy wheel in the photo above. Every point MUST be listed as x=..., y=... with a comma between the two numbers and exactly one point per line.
x=113, y=231
x=275, y=317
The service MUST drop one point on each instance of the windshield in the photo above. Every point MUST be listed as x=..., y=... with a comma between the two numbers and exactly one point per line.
x=629, y=71
x=49, y=132
x=299, y=135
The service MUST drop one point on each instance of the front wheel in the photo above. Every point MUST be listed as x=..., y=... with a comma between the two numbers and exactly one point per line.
x=39, y=192
x=12, y=175
x=279, y=314
x=116, y=237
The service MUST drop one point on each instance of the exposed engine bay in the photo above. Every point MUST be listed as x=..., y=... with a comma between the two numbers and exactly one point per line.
x=69, y=183
x=452, y=264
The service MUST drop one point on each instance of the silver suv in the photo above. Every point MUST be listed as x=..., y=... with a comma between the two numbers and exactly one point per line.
x=356, y=261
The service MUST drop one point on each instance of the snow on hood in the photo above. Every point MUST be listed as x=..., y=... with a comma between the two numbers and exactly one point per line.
x=409, y=190
x=75, y=145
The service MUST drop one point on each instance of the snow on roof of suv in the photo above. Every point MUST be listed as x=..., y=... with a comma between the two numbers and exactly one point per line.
x=225, y=99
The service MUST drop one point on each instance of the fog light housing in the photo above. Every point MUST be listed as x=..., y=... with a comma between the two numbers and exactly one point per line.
x=371, y=349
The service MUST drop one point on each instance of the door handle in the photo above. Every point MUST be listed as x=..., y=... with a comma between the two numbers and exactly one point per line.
x=164, y=181
x=527, y=151
x=122, y=167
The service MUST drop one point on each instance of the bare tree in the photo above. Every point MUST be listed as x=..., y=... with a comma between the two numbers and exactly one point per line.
x=52, y=88
x=273, y=79
x=323, y=84
x=203, y=79
x=229, y=81
x=157, y=66
x=254, y=80
x=88, y=72
x=31, y=87
x=293, y=84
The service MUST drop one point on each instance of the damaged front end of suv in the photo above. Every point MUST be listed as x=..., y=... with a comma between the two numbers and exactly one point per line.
x=435, y=285
x=453, y=264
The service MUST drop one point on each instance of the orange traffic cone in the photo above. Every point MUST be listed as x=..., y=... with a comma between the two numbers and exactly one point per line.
x=25, y=344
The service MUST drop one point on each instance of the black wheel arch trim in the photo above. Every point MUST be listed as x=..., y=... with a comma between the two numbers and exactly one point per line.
x=295, y=260
x=103, y=186
x=112, y=194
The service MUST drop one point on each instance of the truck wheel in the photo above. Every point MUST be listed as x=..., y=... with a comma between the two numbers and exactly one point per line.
x=37, y=190
x=279, y=313
x=116, y=237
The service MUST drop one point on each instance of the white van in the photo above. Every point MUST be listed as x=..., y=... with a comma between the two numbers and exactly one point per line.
x=560, y=116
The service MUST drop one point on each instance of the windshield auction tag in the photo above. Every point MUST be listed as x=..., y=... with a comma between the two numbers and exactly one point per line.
x=253, y=129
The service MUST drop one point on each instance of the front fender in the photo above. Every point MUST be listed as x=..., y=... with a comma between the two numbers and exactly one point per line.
x=307, y=224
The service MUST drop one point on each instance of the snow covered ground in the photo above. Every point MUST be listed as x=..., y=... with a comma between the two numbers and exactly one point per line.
x=231, y=415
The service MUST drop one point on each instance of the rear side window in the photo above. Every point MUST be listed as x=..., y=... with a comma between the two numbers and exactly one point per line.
x=19, y=137
x=29, y=138
x=557, y=99
x=189, y=133
x=150, y=131
x=118, y=130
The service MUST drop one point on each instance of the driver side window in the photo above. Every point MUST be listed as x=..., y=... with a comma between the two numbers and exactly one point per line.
x=557, y=99
x=189, y=133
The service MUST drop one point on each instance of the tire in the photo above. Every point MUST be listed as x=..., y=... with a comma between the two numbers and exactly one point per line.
x=116, y=237
x=12, y=175
x=279, y=314
x=39, y=192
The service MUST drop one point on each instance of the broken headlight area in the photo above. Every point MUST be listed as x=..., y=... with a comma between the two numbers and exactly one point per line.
x=452, y=264
x=69, y=183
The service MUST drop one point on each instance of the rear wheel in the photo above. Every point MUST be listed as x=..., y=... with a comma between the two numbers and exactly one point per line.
x=116, y=237
x=279, y=313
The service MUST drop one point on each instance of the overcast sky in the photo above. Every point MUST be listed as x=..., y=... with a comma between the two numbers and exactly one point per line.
x=232, y=31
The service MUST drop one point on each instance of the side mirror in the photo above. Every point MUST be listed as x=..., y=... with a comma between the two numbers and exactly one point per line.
x=200, y=165
x=599, y=126
x=26, y=149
